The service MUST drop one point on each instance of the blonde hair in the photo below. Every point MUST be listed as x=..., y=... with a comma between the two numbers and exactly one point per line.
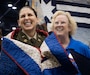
x=72, y=22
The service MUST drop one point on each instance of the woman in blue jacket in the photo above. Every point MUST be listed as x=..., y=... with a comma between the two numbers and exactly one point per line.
x=64, y=49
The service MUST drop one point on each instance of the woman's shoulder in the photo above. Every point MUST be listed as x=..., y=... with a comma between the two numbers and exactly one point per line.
x=80, y=44
x=42, y=32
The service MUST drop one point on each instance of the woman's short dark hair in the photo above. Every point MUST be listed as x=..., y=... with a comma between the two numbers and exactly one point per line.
x=29, y=8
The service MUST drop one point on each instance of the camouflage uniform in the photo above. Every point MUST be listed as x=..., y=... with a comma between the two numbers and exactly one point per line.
x=41, y=35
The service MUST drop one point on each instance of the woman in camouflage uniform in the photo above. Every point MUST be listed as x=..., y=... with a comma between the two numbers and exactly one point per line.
x=20, y=49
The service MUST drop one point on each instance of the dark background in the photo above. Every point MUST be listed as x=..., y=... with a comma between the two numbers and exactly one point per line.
x=9, y=16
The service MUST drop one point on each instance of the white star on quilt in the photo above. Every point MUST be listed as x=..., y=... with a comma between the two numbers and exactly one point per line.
x=47, y=9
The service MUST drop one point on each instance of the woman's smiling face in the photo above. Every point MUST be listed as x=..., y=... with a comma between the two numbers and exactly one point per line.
x=27, y=19
x=61, y=25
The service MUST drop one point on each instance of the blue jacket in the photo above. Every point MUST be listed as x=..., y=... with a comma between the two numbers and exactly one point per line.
x=81, y=56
